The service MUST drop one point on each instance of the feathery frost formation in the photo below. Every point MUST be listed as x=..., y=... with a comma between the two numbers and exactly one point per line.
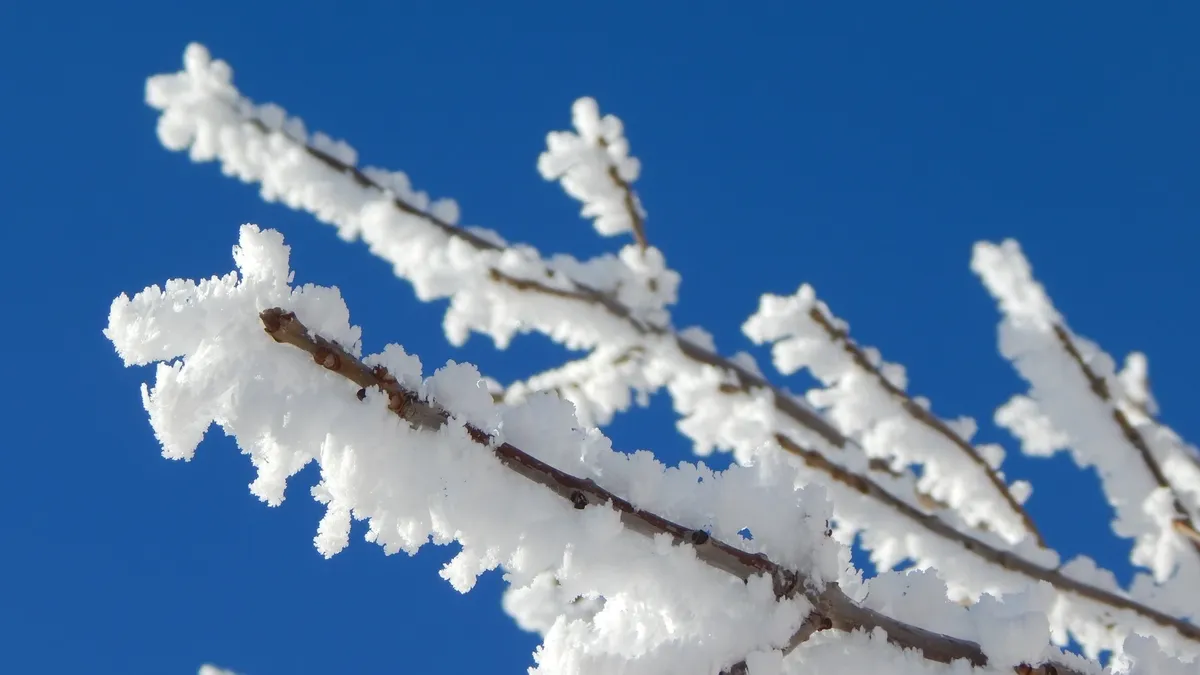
x=652, y=607
x=860, y=435
x=663, y=610
x=1078, y=400
x=594, y=166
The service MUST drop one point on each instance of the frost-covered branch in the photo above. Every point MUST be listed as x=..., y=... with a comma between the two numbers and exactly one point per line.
x=1182, y=520
x=832, y=609
x=594, y=167
x=866, y=398
x=1146, y=470
x=204, y=112
x=405, y=455
x=617, y=305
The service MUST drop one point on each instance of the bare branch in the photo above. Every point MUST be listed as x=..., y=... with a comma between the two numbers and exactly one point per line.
x=832, y=609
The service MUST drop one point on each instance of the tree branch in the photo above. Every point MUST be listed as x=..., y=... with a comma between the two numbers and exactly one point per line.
x=832, y=609
x=579, y=292
x=926, y=418
x=632, y=207
x=747, y=380
x=998, y=557
x=1183, y=521
x=783, y=401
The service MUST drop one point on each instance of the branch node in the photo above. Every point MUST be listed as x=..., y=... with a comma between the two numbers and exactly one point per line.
x=327, y=358
x=396, y=402
x=578, y=499
x=784, y=582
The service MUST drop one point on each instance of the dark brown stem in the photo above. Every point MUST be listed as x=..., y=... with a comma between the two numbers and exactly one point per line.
x=832, y=609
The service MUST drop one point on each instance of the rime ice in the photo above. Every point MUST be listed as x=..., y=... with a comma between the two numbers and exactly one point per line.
x=663, y=610
x=201, y=381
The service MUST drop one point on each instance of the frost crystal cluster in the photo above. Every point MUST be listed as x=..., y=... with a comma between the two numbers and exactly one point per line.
x=622, y=564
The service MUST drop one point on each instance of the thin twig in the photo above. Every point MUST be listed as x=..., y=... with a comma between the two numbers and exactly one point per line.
x=1099, y=386
x=832, y=608
x=747, y=380
x=632, y=207
x=1187, y=530
x=923, y=416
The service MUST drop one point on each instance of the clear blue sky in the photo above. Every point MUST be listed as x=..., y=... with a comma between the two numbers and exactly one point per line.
x=862, y=150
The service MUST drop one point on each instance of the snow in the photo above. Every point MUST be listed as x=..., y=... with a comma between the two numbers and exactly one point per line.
x=664, y=611
x=582, y=161
x=1063, y=410
x=856, y=400
x=212, y=360
x=650, y=606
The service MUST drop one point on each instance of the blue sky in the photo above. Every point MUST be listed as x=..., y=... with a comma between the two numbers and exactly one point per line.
x=861, y=149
